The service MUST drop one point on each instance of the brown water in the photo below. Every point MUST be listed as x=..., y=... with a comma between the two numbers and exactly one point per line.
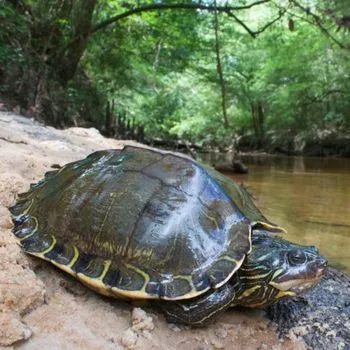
x=310, y=197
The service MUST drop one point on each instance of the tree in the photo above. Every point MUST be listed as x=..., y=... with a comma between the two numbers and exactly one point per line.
x=59, y=33
x=219, y=69
x=157, y=63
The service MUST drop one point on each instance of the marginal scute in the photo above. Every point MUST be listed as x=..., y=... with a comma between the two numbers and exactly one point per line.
x=63, y=254
x=38, y=243
x=201, y=282
x=23, y=196
x=137, y=223
x=132, y=278
x=25, y=225
x=179, y=287
x=111, y=279
x=217, y=272
x=232, y=260
x=21, y=207
x=95, y=267
x=153, y=289
x=50, y=174
x=81, y=264
x=37, y=184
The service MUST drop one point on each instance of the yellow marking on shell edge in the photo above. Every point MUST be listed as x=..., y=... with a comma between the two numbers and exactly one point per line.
x=75, y=257
x=96, y=283
x=54, y=241
x=107, y=264
x=27, y=209
x=140, y=272
x=98, y=286
x=274, y=228
x=193, y=293
x=238, y=265
x=226, y=257
x=17, y=198
x=33, y=231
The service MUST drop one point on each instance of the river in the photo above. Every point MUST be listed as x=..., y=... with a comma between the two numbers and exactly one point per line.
x=310, y=197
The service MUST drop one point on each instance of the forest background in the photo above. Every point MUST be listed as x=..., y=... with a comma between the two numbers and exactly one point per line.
x=272, y=75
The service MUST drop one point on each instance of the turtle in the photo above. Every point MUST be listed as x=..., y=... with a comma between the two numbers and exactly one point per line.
x=147, y=224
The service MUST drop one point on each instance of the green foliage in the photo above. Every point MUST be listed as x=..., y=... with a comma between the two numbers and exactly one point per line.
x=166, y=76
x=160, y=68
x=12, y=26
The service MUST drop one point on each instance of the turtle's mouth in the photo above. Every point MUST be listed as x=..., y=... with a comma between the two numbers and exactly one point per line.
x=296, y=286
x=299, y=285
x=304, y=286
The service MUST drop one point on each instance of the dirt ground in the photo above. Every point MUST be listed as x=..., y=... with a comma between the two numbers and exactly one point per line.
x=42, y=307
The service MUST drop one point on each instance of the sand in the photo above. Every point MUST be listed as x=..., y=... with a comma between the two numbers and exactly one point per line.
x=42, y=307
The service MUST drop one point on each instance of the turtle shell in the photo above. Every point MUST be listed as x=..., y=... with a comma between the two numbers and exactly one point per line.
x=138, y=223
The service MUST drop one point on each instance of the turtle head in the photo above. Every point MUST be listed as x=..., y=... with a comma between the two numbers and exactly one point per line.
x=277, y=268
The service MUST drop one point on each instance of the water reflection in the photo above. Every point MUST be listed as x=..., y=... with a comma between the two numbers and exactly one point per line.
x=310, y=197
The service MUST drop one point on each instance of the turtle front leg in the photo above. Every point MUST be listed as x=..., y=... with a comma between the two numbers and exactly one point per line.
x=197, y=311
x=287, y=313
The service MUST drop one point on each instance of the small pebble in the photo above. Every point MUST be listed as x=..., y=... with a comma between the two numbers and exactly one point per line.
x=221, y=333
x=138, y=315
x=141, y=321
x=173, y=327
x=129, y=339
x=217, y=344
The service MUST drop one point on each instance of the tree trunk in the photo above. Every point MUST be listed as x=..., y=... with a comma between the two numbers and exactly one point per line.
x=258, y=117
x=110, y=120
x=43, y=103
x=66, y=61
x=219, y=70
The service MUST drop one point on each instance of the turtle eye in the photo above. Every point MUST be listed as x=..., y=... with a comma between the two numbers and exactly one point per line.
x=296, y=257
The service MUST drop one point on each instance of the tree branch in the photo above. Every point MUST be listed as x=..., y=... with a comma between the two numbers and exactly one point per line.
x=230, y=14
x=161, y=7
x=317, y=20
x=267, y=25
x=252, y=33
x=320, y=99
